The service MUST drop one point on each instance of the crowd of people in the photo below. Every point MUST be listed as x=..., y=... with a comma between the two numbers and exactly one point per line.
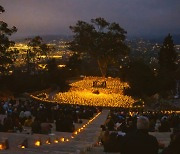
x=127, y=132
x=123, y=131
x=39, y=117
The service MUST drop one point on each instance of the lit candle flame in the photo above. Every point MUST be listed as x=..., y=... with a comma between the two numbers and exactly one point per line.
x=37, y=143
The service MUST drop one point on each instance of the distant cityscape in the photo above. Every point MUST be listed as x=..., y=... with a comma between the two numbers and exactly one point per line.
x=140, y=48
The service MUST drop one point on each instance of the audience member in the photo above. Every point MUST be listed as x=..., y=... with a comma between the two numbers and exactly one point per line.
x=174, y=146
x=140, y=141
x=21, y=113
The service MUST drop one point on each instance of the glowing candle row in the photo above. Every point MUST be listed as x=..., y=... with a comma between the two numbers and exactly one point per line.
x=62, y=139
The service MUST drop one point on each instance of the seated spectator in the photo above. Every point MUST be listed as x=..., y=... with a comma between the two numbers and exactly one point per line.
x=59, y=124
x=28, y=122
x=27, y=114
x=46, y=128
x=8, y=124
x=65, y=124
x=174, y=146
x=105, y=137
x=110, y=124
x=165, y=126
x=139, y=141
x=117, y=125
x=123, y=127
x=103, y=127
x=36, y=126
x=152, y=125
x=80, y=121
x=17, y=125
x=175, y=121
x=157, y=125
x=1, y=127
x=69, y=126
x=22, y=117
x=111, y=142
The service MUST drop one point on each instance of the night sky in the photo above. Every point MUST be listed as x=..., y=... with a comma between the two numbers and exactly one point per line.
x=137, y=17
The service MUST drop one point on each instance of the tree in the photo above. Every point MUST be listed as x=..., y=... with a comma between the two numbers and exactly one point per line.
x=167, y=65
x=167, y=55
x=7, y=54
x=101, y=40
x=74, y=63
x=52, y=65
x=141, y=79
x=36, y=48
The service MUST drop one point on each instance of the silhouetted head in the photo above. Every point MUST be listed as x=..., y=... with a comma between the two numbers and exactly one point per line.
x=143, y=123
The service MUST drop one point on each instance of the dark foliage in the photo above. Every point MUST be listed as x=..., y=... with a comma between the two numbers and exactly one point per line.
x=74, y=64
x=167, y=55
x=7, y=55
x=103, y=41
x=141, y=79
x=167, y=65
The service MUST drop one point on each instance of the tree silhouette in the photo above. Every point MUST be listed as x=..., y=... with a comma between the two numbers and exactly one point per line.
x=74, y=62
x=7, y=54
x=141, y=79
x=52, y=65
x=36, y=48
x=167, y=65
x=167, y=55
x=102, y=40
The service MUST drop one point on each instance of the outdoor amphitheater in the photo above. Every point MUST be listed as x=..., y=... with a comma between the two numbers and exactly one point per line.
x=93, y=91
